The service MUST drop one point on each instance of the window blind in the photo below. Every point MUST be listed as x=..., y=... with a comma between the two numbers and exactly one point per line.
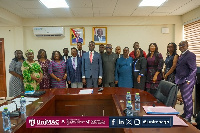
x=192, y=35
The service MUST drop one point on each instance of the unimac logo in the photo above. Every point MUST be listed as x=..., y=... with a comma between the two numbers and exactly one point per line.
x=32, y=122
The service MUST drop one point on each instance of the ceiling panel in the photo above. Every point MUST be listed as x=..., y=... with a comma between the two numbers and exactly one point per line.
x=30, y=4
x=79, y=3
x=104, y=3
x=104, y=10
x=96, y=8
x=144, y=11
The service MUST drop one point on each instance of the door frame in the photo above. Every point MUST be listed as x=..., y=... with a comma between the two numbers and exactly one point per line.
x=3, y=92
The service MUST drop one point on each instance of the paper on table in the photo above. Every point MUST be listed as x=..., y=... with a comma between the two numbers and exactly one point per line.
x=86, y=91
x=160, y=110
x=176, y=120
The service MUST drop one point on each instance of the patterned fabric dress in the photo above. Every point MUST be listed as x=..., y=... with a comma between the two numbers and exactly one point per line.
x=29, y=69
x=59, y=70
x=16, y=85
x=154, y=66
x=168, y=64
x=45, y=83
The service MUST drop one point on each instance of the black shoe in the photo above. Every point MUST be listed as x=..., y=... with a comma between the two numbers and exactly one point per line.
x=187, y=119
x=183, y=115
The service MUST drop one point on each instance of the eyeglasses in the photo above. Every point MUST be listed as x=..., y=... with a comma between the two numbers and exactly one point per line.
x=181, y=45
x=109, y=47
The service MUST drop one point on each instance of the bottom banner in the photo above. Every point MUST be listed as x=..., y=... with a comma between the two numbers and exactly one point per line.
x=99, y=122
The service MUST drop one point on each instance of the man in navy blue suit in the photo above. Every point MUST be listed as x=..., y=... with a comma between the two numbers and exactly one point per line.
x=91, y=67
x=74, y=66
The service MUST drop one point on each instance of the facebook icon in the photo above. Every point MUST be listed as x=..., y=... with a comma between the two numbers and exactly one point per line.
x=117, y=122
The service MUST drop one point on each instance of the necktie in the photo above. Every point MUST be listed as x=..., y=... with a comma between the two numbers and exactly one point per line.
x=90, y=57
x=74, y=66
x=80, y=54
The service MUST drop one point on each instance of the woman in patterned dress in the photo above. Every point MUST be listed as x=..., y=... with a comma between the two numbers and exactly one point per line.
x=32, y=72
x=44, y=63
x=154, y=68
x=16, y=81
x=57, y=71
x=170, y=63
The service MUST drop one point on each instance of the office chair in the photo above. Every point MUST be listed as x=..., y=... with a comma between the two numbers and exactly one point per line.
x=167, y=93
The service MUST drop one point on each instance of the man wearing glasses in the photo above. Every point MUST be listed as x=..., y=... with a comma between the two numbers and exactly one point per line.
x=108, y=61
x=185, y=78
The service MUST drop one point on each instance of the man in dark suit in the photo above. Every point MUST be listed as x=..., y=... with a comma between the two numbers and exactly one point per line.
x=108, y=61
x=185, y=78
x=65, y=57
x=65, y=54
x=80, y=51
x=74, y=70
x=91, y=67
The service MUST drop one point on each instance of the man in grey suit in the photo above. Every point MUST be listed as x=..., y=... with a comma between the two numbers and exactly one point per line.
x=109, y=60
x=91, y=67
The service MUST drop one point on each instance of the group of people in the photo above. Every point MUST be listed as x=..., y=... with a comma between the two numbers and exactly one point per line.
x=106, y=68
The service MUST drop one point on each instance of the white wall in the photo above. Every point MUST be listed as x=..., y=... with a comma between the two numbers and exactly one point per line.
x=191, y=16
x=122, y=31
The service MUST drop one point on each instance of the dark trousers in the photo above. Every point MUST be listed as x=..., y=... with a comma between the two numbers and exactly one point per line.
x=92, y=82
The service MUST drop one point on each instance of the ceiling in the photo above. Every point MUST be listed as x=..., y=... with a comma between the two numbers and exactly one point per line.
x=97, y=8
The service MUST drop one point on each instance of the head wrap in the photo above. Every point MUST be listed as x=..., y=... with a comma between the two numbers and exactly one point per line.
x=29, y=51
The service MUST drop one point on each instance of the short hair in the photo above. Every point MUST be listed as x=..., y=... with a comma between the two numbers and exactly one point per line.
x=79, y=42
x=91, y=42
x=185, y=42
x=101, y=45
x=65, y=48
x=74, y=48
x=127, y=48
x=135, y=43
x=39, y=54
x=53, y=54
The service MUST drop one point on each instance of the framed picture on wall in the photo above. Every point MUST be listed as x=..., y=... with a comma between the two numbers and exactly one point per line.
x=77, y=35
x=99, y=35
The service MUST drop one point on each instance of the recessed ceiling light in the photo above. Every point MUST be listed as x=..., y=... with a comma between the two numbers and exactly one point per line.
x=55, y=3
x=152, y=2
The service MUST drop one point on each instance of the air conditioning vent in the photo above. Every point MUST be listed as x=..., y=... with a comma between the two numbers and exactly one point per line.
x=48, y=31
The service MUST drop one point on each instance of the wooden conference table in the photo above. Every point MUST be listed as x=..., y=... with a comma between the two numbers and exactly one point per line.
x=67, y=102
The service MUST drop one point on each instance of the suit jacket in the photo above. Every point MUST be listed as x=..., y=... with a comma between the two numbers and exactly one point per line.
x=83, y=52
x=72, y=74
x=186, y=68
x=64, y=58
x=93, y=69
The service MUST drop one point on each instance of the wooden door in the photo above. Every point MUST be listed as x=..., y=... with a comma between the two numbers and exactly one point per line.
x=3, y=90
